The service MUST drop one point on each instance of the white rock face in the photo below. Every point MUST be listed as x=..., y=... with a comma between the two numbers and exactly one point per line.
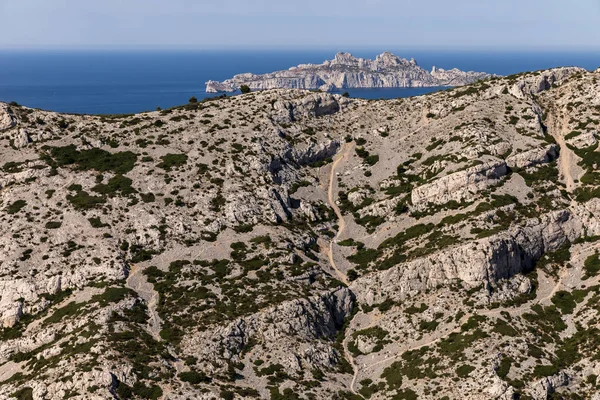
x=541, y=82
x=347, y=71
x=7, y=120
x=546, y=386
x=459, y=186
x=315, y=105
x=484, y=261
x=284, y=326
x=533, y=157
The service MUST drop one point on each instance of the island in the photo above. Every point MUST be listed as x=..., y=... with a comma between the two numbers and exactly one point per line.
x=346, y=71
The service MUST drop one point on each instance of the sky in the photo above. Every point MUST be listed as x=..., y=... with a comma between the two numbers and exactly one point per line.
x=290, y=24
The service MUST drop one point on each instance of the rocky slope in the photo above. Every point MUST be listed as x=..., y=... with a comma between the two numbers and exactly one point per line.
x=346, y=71
x=286, y=244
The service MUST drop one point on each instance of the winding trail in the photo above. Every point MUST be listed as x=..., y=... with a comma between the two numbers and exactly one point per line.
x=341, y=222
x=341, y=227
x=137, y=281
x=329, y=249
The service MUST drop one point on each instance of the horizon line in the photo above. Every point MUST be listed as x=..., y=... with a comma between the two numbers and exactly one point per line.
x=336, y=49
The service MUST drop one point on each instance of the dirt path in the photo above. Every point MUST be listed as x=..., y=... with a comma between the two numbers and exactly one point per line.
x=329, y=249
x=137, y=282
x=350, y=359
x=565, y=161
x=341, y=223
x=330, y=192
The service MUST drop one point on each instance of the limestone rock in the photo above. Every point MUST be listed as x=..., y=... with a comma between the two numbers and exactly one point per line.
x=532, y=157
x=546, y=386
x=7, y=119
x=346, y=71
x=459, y=186
x=485, y=261
x=542, y=81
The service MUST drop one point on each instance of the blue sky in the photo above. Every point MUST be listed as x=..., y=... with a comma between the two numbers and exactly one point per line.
x=210, y=24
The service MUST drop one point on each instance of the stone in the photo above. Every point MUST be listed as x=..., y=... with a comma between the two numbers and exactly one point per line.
x=459, y=186
x=346, y=71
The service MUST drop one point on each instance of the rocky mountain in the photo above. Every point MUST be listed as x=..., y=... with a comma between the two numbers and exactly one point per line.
x=346, y=71
x=287, y=244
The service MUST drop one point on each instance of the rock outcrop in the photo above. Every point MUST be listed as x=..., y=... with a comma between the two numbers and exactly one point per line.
x=485, y=261
x=542, y=81
x=7, y=119
x=346, y=71
x=533, y=157
x=296, y=244
x=281, y=329
x=459, y=186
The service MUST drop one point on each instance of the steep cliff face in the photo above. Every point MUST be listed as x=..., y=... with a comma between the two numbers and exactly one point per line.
x=346, y=71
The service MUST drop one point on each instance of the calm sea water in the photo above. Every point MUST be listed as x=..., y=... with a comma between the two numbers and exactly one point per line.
x=125, y=82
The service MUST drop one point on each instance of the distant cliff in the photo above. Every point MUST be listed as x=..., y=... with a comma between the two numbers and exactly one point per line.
x=347, y=71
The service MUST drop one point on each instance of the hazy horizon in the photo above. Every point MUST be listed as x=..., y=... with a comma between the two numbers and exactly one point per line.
x=513, y=25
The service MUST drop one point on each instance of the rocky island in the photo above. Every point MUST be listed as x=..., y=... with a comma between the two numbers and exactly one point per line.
x=287, y=244
x=346, y=71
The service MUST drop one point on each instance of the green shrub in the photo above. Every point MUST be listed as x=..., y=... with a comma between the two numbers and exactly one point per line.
x=245, y=89
x=564, y=301
x=117, y=184
x=171, y=161
x=96, y=222
x=545, y=370
x=591, y=265
x=25, y=393
x=504, y=367
x=503, y=328
x=84, y=201
x=372, y=159
x=194, y=377
x=53, y=225
x=464, y=370
x=93, y=159
x=16, y=206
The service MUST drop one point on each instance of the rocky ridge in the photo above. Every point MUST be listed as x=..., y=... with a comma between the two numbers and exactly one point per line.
x=346, y=71
x=300, y=245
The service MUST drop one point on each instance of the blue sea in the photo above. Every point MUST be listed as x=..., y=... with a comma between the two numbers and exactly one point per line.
x=118, y=82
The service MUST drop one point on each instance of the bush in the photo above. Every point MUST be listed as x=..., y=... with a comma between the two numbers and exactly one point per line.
x=84, y=201
x=245, y=89
x=464, y=370
x=564, y=301
x=96, y=222
x=23, y=394
x=545, y=370
x=591, y=266
x=372, y=159
x=194, y=377
x=118, y=183
x=504, y=367
x=53, y=225
x=16, y=206
x=96, y=159
x=170, y=161
x=193, y=99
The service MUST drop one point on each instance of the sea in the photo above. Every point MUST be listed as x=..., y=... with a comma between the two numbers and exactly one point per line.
x=122, y=82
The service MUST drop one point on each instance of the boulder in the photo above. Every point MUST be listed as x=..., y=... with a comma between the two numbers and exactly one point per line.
x=7, y=119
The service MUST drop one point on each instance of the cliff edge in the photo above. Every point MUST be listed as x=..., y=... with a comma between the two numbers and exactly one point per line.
x=346, y=71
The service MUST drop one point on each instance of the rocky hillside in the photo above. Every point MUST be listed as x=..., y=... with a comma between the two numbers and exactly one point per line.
x=346, y=71
x=297, y=245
